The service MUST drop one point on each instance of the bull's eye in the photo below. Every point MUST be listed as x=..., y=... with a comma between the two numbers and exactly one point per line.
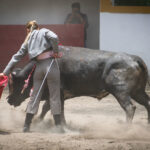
x=14, y=73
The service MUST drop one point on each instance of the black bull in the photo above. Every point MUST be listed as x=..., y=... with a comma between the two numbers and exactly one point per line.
x=94, y=73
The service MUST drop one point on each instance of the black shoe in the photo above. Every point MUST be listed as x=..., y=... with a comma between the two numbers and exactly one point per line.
x=60, y=129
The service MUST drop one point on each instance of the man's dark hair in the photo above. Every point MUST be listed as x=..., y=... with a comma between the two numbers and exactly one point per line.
x=76, y=5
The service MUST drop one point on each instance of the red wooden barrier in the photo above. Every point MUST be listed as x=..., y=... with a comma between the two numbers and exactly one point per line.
x=12, y=36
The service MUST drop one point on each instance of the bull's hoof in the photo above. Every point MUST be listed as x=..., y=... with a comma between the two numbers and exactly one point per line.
x=26, y=129
x=60, y=129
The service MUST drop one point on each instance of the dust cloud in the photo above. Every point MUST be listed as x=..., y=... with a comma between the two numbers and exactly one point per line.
x=91, y=125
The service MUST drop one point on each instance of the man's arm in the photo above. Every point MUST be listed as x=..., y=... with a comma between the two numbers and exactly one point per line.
x=53, y=39
x=85, y=18
x=69, y=19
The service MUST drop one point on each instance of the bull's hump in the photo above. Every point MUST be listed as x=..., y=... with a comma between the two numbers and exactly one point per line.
x=85, y=54
x=77, y=59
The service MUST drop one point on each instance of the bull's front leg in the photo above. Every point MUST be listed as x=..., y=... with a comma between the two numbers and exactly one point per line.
x=63, y=120
x=45, y=109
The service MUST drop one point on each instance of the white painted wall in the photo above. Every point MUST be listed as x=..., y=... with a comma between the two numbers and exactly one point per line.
x=126, y=33
x=50, y=12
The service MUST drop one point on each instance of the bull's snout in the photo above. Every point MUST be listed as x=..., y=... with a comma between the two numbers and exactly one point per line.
x=9, y=101
x=13, y=101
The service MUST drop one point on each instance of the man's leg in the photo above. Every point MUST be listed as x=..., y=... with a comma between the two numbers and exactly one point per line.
x=55, y=102
x=32, y=109
x=53, y=82
x=54, y=88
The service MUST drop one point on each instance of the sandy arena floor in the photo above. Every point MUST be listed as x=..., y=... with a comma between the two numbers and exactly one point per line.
x=91, y=125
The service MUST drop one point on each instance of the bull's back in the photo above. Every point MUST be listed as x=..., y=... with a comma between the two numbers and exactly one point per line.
x=85, y=71
x=82, y=69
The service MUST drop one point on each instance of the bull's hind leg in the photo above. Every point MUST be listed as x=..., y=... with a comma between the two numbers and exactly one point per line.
x=125, y=102
x=143, y=99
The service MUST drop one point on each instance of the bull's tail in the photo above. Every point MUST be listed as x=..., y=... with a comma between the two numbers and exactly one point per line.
x=141, y=64
x=143, y=68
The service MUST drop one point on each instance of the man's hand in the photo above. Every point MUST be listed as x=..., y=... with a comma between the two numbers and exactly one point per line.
x=2, y=74
x=57, y=55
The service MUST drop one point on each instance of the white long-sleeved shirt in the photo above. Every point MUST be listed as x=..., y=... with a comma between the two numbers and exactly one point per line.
x=38, y=42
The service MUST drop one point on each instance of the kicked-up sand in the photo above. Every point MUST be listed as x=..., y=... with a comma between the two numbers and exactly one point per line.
x=91, y=125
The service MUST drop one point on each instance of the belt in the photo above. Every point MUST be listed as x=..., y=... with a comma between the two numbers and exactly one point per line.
x=45, y=55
